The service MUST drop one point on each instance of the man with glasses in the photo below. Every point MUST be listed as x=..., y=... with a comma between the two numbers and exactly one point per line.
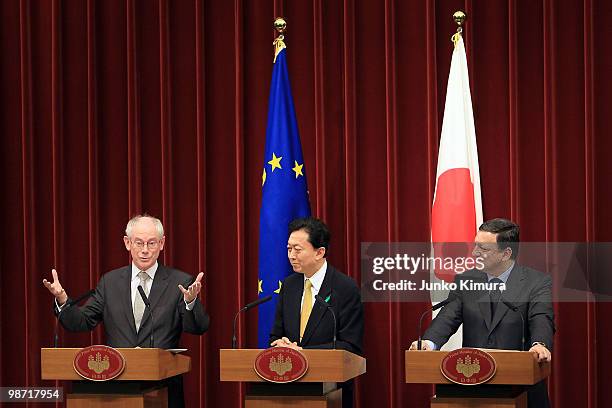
x=487, y=321
x=173, y=296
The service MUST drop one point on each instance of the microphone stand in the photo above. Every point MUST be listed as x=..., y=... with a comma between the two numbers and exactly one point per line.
x=148, y=305
x=247, y=307
x=69, y=303
x=319, y=299
x=515, y=308
x=440, y=305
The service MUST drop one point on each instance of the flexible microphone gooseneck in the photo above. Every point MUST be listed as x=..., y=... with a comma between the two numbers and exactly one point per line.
x=67, y=305
x=440, y=305
x=148, y=305
x=515, y=308
x=251, y=305
x=319, y=299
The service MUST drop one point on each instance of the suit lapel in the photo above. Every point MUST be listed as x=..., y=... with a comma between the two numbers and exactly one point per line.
x=514, y=285
x=484, y=301
x=318, y=310
x=125, y=289
x=160, y=283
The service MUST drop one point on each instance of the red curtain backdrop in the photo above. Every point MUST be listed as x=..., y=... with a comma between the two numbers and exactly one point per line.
x=111, y=108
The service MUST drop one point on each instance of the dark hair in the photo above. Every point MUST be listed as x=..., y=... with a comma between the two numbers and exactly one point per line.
x=318, y=233
x=506, y=232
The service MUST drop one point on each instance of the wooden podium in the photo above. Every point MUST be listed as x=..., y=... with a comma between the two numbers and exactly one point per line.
x=316, y=389
x=140, y=385
x=515, y=371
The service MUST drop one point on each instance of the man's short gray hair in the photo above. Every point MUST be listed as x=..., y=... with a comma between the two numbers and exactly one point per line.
x=130, y=225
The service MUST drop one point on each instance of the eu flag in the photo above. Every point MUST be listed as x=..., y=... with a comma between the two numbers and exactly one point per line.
x=284, y=195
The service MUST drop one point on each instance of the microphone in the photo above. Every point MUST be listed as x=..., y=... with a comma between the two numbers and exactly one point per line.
x=147, y=304
x=515, y=308
x=143, y=295
x=251, y=305
x=328, y=306
x=440, y=305
x=66, y=306
x=256, y=303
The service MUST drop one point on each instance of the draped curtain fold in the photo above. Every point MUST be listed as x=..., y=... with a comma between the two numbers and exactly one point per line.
x=116, y=107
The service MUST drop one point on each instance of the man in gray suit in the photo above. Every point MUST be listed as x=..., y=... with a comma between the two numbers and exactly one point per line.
x=173, y=296
x=487, y=321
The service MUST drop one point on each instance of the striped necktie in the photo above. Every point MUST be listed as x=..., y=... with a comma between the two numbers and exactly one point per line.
x=139, y=306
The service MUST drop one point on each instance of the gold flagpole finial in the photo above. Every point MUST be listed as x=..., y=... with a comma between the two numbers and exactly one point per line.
x=280, y=25
x=459, y=17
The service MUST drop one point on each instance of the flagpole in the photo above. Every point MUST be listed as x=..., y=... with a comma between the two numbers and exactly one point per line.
x=457, y=206
x=284, y=188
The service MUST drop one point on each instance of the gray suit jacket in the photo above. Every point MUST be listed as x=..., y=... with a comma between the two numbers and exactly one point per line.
x=112, y=304
x=526, y=288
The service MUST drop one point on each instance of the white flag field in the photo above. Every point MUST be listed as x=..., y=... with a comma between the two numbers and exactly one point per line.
x=457, y=205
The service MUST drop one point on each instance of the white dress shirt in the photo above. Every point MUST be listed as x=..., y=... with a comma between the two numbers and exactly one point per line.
x=135, y=281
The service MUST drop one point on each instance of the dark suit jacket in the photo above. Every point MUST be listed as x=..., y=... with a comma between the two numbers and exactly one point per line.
x=345, y=300
x=527, y=289
x=112, y=304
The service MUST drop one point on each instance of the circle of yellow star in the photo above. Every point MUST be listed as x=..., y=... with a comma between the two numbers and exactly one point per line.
x=263, y=177
x=280, y=286
x=275, y=162
x=298, y=169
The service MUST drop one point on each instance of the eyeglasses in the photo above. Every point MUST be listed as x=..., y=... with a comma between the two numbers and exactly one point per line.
x=152, y=244
x=488, y=248
x=484, y=248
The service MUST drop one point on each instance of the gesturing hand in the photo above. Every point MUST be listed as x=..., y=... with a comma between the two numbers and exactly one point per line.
x=56, y=288
x=193, y=290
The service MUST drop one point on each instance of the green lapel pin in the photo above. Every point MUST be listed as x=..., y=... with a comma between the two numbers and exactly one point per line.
x=327, y=299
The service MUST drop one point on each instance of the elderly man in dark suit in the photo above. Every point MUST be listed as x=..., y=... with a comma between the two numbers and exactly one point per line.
x=173, y=296
x=303, y=322
x=487, y=321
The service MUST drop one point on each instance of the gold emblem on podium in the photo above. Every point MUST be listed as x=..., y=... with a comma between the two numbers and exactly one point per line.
x=281, y=364
x=468, y=367
x=98, y=364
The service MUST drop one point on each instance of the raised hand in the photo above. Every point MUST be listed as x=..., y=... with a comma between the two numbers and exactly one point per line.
x=193, y=290
x=56, y=288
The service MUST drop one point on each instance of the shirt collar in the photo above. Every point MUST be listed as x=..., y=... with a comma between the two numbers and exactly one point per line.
x=151, y=271
x=504, y=276
x=317, y=278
